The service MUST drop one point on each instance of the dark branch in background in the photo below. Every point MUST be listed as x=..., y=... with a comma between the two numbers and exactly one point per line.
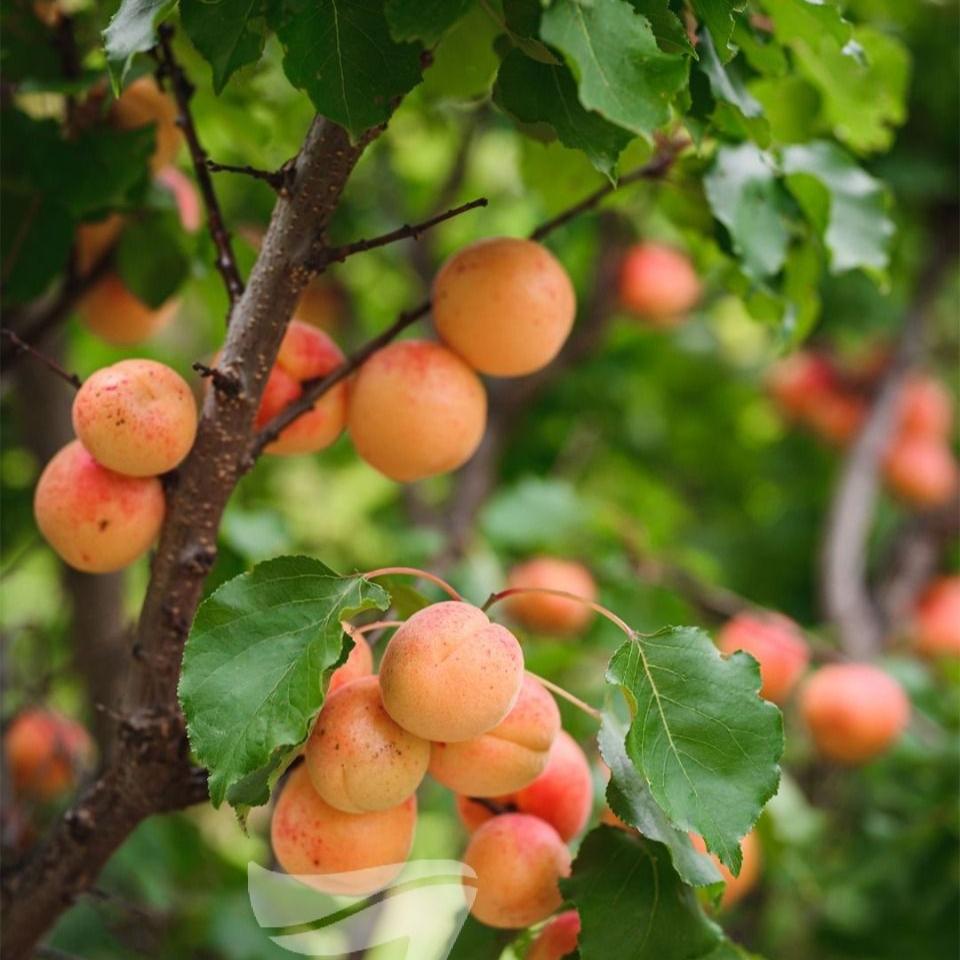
x=182, y=90
x=277, y=179
x=21, y=346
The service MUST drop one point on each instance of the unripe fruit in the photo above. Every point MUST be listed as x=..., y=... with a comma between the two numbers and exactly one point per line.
x=359, y=663
x=96, y=519
x=449, y=674
x=798, y=381
x=854, y=711
x=114, y=314
x=416, y=410
x=95, y=239
x=518, y=860
x=185, y=196
x=144, y=103
x=775, y=642
x=320, y=844
x=926, y=408
x=507, y=758
x=358, y=759
x=557, y=939
x=137, y=417
x=505, y=305
x=562, y=795
x=836, y=416
x=44, y=751
x=737, y=887
x=658, y=283
x=547, y=613
x=921, y=470
x=936, y=630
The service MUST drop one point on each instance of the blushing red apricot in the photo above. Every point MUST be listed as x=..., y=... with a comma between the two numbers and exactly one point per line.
x=95, y=239
x=358, y=759
x=926, y=408
x=854, y=711
x=507, y=758
x=557, y=939
x=505, y=305
x=737, y=887
x=797, y=382
x=518, y=860
x=562, y=795
x=359, y=663
x=775, y=642
x=137, y=417
x=416, y=410
x=921, y=470
x=45, y=751
x=116, y=315
x=836, y=416
x=97, y=520
x=322, y=845
x=450, y=674
x=658, y=283
x=936, y=629
x=143, y=103
x=547, y=613
x=184, y=195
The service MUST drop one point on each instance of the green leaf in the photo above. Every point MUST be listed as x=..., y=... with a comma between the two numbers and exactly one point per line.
x=848, y=207
x=801, y=291
x=534, y=513
x=537, y=93
x=747, y=199
x=622, y=73
x=737, y=112
x=154, y=278
x=229, y=33
x=476, y=941
x=424, y=20
x=343, y=56
x=255, y=667
x=633, y=905
x=720, y=17
x=791, y=106
x=36, y=235
x=521, y=24
x=133, y=30
x=630, y=799
x=808, y=22
x=667, y=27
x=701, y=736
x=464, y=61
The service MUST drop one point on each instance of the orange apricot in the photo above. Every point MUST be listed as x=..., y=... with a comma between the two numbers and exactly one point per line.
x=926, y=408
x=658, y=283
x=936, y=626
x=359, y=663
x=737, y=887
x=921, y=470
x=45, y=751
x=116, y=315
x=797, y=382
x=543, y=611
x=95, y=239
x=184, y=195
x=557, y=939
x=143, y=103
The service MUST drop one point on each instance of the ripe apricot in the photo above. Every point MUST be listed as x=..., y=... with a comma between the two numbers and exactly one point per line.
x=137, y=417
x=505, y=305
x=416, y=410
x=518, y=860
x=95, y=239
x=359, y=663
x=936, y=629
x=359, y=760
x=449, y=674
x=184, y=195
x=144, y=103
x=557, y=939
x=798, y=381
x=775, y=642
x=116, y=315
x=508, y=757
x=854, y=711
x=562, y=795
x=921, y=470
x=835, y=416
x=926, y=408
x=323, y=846
x=45, y=751
x=658, y=283
x=547, y=613
x=737, y=887
x=96, y=519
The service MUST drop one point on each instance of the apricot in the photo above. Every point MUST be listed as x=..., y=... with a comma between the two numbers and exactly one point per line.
x=320, y=304
x=518, y=860
x=416, y=410
x=547, y=613
x=854, y=711
x=322, y=845
x=184, y=195
x=359, y=760
x=926, y=408
x=359, y=663
x=936, y=628
x=921, y=470
x=449, y=674
x=116, y=315
x=505, y=305
x=95, y=239
x=143, y=103
x=737, y=887
x=658, y=283
x=557, y=939
x=562, y=795
x=97, y=520
x=836, y=416
x=775, y=642
x=508, y=757
x=798, y=381
x=137, y=417
x=45, y=751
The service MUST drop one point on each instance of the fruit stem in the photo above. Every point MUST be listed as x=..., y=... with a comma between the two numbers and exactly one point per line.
x=567, y=695
x=376, y=625
x=414, y=572
x=603, y=611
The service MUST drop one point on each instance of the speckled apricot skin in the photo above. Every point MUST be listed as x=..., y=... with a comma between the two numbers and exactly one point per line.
x=44, y=751
x=359, y=663
x=109, y=310
x=658, y=283
x=507, y=758
x=518, y=860
x=137, y=417
x=506, y=305
x=143, y=103
x=320, y=844
x=546, y=613
x=416, y=410
x=449, y=674
x=97, y=520
x=557, y=939
x=737, y=887
x=359, y=760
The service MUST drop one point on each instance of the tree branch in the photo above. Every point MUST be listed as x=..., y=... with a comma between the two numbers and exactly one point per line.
x=21, y=346
x=277, y=179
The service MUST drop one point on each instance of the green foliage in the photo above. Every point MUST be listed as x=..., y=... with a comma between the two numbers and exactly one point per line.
x=229, y=33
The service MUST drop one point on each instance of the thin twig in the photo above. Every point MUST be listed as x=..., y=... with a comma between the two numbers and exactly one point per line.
x=224, y=382
x=277, y=179
x=23, y=347
x=414, y=572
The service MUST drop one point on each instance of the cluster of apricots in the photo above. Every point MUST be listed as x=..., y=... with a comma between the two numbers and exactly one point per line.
x=658, y=284
x=918, y=464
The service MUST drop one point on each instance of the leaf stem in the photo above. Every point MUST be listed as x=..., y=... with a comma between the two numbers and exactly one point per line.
x=376, y=625
x=414, y=572
x=569, y=697
x=593, y=605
